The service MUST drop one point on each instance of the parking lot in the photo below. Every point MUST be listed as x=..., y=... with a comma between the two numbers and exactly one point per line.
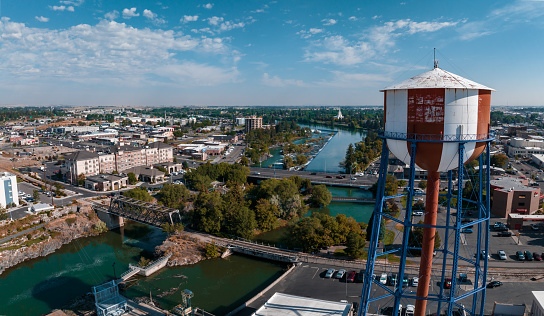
x=308, y=280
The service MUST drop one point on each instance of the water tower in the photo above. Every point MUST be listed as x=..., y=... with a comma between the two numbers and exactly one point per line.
x=435, y=123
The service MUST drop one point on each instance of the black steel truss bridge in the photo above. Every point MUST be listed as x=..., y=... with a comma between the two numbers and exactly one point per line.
x=140, y=211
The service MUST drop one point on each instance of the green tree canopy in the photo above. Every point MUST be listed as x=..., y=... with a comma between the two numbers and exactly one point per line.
x=321, y=196
x=132, y=178
x=139, y=193
x=173, y=195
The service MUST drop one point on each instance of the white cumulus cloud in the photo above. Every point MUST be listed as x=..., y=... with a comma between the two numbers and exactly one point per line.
x=215, y=20
x=41, y=18
x=189, y=18
x=352, y=18
x=110, y=53
x=208, y=6
x=130, y=13
x=275, y=81
x=329, y=21
x=112, y=15
x=377, y=40
x=153, y=17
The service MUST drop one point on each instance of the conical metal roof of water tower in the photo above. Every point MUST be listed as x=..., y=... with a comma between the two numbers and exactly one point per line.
x=437, y=78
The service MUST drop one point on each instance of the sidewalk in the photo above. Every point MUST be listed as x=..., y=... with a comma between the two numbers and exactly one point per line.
x=21, y=233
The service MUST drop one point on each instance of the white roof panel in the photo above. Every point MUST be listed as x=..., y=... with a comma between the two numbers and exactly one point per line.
x=437, y=78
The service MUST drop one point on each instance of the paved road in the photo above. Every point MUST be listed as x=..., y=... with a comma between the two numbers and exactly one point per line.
x=21, y=233
x=315, y=177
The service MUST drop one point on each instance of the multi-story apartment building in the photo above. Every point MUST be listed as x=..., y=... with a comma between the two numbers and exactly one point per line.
x=8, y=189
x=119, y=158
x=82, y=163
x=253, y=122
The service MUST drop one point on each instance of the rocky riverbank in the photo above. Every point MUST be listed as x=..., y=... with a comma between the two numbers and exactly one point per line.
x=51, y=237
x=185, y=250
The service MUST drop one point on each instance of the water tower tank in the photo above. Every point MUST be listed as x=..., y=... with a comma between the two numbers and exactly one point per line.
x=439, y=105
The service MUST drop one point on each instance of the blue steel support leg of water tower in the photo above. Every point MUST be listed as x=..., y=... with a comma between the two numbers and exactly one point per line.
x=407, y=228
x=487, y=215
x=446, y=241
x=461, y=154
x=376, y=222
x=477, y=265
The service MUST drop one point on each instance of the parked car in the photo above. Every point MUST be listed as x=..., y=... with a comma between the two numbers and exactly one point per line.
x=482, y=255
x=520, y=255
x=340, y=273
x=467, y=231
x=498, y=224
x=447, y=283
x=502, y=229
x=418, y=213
x=505, y=234
x=501, y=254
x=360, y=276
x=328, y=177
x=405, y=281
x=537, y=256
x=493, y=284
x=528, y=255
x=383, y=278
x=415, y=281
x=393, y=279
x=410, y=309
x=329, y=273
x=351, y=276
x=534, y=227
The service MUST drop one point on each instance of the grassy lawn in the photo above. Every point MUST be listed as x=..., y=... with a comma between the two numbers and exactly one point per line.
x=35, y=240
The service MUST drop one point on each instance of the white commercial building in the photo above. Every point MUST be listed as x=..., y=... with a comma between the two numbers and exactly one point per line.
x=8, y=189
x=285, y=305
x=525, y=147
x=537, y=309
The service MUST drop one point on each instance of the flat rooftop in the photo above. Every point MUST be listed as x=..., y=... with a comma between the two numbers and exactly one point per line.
x=515, y=184
x=283, y=304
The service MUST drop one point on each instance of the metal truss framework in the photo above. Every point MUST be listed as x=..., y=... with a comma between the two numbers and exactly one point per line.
x=449, y=260
x=143, y=212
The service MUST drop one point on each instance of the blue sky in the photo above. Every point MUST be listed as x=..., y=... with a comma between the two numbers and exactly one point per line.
x=314, y=52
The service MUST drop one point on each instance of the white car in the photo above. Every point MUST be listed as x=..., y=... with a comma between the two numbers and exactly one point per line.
x=415, y=281
x=502, y=254
x=410, y=309
x=383, y=278
x=418, y=213
x=340, y=273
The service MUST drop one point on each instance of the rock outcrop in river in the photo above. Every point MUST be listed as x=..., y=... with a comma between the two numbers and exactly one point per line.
x=185, y=250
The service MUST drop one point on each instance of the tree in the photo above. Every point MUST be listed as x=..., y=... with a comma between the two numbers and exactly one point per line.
x=301, y=159
x=36, y=195
x=210, y=251
x=321, y=196
x=178, y=133
x=173, y=195
x=132, y=178
x=185, y=165
x=369, y=228
x=240, y=222
x=81, y=179
x=139, y=193
x=422, y=184
x=207, y=214
x=244, y=161
x=266, y=215
x=3, y=214
x=499, y=160
x=355, y=245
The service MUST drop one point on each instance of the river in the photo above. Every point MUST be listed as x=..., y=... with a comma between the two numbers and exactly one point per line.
x=37, y=286
x=329, y=158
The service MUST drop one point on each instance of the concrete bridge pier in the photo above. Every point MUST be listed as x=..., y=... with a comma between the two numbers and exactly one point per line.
x=112, y=221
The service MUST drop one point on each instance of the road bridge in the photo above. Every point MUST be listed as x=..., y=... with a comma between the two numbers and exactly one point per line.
x=136, y=210
x=327, y=178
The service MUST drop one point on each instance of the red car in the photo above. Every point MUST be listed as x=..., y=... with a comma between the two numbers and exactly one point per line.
x=537, y=256
x=351, y=276
x=447, y=283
